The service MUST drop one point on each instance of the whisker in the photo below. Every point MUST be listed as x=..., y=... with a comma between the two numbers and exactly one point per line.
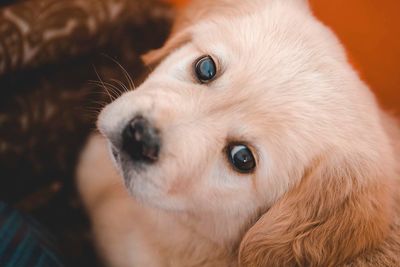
x=116, y=92
x=93, y=110
x=101, y=103
x=119, y=91
x=104, y=87
x=121, y=84
x=128, y=77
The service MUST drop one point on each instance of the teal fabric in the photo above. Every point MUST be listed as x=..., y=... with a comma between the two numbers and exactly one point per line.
x=23, y=242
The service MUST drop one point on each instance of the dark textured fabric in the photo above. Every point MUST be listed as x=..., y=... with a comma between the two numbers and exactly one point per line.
x=24, y=243
x=49, y=102
x=38, y=32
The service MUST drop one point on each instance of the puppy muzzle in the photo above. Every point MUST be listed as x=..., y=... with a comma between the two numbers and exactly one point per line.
x=141, y=141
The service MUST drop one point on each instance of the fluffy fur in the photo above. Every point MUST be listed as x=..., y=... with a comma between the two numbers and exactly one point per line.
x=326, y=188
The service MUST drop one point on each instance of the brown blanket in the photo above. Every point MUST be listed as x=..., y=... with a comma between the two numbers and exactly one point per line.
x=50, y=51
x=36, y=32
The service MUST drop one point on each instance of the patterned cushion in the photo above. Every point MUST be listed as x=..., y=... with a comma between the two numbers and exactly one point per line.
x=23, y=242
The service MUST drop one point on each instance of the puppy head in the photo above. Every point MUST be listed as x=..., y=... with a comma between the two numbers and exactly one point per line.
x=253, y=109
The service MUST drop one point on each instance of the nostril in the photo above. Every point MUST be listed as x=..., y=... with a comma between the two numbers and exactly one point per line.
x=141, y=140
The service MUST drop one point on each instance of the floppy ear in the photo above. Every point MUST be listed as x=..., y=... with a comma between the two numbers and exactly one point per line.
x=332, y=215
x=194, y=12
x=177, y=39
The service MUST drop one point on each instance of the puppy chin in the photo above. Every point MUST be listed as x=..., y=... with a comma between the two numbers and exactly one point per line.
x=133, y=175
x=114, y=155
x=142, y=182
x=136, y=179
x=124, y=167
x=143, y=187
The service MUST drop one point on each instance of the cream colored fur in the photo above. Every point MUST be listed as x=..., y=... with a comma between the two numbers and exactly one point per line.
x=325, y=191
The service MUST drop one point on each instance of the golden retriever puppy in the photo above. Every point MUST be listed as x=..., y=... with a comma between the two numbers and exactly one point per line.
x=252, y=143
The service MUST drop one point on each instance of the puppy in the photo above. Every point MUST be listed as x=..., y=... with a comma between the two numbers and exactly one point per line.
x=252, y=143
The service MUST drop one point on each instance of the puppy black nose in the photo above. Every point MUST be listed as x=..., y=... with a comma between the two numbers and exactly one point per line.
x=141, y=141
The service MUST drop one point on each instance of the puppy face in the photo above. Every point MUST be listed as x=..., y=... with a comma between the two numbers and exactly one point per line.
x=236, y=111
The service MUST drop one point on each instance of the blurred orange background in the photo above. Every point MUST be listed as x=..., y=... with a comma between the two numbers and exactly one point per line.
x=370, y=30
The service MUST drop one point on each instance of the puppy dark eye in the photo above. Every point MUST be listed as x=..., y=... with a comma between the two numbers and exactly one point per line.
x=205, y=69
x=241, y=158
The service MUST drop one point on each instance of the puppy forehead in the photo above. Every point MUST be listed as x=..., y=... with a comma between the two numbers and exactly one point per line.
x=271, y=70
x=272, y=51
x=266, y=38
